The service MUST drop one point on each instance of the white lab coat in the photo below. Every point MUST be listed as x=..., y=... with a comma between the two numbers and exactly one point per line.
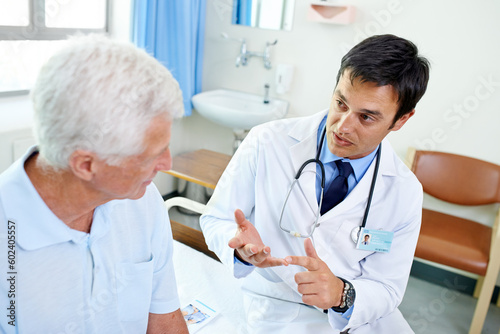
x=257, y=180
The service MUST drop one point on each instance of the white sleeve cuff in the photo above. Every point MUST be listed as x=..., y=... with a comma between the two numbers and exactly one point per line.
x=337, y=321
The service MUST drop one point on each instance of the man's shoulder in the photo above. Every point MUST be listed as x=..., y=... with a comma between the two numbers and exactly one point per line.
x=398, y=168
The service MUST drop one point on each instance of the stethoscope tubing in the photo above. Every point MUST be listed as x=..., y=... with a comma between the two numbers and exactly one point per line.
x=322, y=167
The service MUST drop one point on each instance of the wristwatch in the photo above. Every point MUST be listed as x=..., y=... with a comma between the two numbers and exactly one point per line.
x=348, y=297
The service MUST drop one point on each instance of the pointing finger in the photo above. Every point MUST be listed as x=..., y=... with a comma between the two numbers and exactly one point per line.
x=310, y=251
x=274, y=262
x=311, y=262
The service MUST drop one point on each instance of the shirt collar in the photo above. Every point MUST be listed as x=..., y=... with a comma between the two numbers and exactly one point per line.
x=38, y=226
x=359, y=166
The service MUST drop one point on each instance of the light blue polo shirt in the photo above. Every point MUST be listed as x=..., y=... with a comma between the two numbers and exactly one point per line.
x=67, y=281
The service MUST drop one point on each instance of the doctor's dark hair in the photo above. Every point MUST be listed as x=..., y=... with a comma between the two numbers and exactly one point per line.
x=389, y=60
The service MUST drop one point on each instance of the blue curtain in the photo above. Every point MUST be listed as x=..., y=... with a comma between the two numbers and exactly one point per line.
x=173, y=32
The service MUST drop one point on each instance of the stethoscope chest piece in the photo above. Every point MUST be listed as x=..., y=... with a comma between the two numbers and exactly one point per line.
x=355, y=234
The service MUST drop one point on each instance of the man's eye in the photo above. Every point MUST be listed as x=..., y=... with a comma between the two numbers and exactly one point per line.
x=366, y=117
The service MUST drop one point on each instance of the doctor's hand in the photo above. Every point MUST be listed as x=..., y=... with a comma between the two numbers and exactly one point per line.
x=318, y=286
x=248, y=245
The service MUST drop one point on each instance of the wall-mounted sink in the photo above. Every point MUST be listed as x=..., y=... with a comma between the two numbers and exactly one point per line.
x=238, y=110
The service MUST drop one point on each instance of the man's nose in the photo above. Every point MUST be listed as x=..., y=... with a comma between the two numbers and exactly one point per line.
x=346, y=122
x=164, y=162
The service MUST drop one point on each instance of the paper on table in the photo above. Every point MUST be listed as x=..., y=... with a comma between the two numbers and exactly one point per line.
x=197, y=314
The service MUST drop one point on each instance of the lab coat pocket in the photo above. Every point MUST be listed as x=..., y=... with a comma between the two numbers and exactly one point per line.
x=134, y=283
x=346, y=246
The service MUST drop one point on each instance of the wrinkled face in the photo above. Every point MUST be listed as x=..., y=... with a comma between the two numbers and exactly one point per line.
x=135, y=173
x=361, y=115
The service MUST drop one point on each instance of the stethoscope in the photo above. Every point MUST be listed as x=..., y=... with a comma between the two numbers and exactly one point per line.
x=357, y=229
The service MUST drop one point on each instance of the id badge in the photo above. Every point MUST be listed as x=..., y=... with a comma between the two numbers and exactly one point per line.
x=375, y=240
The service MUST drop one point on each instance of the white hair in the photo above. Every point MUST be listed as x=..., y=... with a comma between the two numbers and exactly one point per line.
x=100, y=95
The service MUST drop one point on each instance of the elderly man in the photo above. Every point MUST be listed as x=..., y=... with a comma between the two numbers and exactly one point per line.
x=89, y=241
x=309, y=188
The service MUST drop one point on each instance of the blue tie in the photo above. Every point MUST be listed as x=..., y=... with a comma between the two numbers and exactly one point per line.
x=337, y=190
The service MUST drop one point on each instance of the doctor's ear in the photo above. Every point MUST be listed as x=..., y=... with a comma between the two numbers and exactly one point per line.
x=83, y=164
x=400, y=122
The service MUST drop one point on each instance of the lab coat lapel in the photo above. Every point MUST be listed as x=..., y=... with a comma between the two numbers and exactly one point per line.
x=306, y=133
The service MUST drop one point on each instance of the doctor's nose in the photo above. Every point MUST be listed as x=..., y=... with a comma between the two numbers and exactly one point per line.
x=345, y=123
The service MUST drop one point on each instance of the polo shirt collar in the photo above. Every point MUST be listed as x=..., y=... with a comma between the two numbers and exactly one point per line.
x=38, y=226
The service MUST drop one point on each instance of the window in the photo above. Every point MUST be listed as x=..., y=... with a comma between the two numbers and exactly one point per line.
x=32, y=30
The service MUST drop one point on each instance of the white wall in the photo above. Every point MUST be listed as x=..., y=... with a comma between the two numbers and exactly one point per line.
x=15, y=127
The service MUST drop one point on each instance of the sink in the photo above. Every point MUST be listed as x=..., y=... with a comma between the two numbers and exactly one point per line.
x=238, y=110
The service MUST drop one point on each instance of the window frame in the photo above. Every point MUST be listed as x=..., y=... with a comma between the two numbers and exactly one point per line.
x=36, y=30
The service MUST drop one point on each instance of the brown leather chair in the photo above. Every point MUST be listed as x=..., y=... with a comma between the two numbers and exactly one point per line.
x=453, y=241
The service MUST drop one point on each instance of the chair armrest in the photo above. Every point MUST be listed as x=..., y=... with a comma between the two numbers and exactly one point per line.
x=185, y=203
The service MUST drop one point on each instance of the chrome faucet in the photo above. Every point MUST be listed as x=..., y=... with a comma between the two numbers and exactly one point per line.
x=245, y=54
x=266, y=93
x=242, y=58
x=267, y=54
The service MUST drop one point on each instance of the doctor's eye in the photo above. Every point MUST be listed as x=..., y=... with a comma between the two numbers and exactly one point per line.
x=367, y=118
x=341, y=104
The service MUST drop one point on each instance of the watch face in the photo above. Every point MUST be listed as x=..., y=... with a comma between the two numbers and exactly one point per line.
x=349, y=299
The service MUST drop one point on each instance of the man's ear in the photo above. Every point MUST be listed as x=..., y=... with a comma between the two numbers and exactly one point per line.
x=400, y=122
x=83, y=164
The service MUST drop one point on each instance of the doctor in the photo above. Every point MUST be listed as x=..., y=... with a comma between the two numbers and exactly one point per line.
x=296, y=241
